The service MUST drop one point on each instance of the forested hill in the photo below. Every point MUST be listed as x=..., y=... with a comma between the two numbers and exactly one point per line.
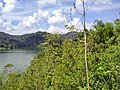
x=27, y=40
x=12, y=41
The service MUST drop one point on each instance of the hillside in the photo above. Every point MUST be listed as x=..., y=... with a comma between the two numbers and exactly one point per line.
x=28, y=40
x=12, y=41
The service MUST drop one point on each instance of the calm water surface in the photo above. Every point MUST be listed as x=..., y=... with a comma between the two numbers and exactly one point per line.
x=19, y=58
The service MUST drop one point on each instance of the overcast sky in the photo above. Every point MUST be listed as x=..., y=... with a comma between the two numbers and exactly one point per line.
x=27, y=16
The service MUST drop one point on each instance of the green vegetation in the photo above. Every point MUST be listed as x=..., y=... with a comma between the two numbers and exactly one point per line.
x=21, y=41
x=28, y=40
x=61, y=65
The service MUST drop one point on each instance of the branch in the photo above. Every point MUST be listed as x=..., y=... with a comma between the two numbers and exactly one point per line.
x=65, y=16
x=82, y=1
x=71, y=14
x=81, y=14
x=90, y=5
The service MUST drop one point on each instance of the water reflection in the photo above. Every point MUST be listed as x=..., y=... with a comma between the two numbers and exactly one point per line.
x=19, y=58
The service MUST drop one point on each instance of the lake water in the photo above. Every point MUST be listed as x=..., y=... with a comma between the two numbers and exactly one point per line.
x=19, y=58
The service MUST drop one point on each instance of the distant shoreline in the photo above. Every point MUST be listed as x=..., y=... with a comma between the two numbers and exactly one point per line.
x=1, y=48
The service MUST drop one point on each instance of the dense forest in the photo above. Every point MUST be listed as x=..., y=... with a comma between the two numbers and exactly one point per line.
x=61, y=66
x=28, y=40
x=20, y=41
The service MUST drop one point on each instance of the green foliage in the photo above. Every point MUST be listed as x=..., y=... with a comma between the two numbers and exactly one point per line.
x=61, y=65
x=105, y=73
x=103, y=32
x=117, y=26
x=28, y=40
x=70, y=27
x=19, y=41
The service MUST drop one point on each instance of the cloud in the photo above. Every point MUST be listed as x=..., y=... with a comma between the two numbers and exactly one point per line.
x=13, y=17
x=54, y=20
x=20, y=29
x=9, y=5
x=76, y=22
x=27, y=24
x=43, y=14
x=44, y=2
x=89, y=25
x=17, y=15
x=7, y=26
x=1, y=23
x=78, y=3
x=57, y=17
x=98, y=8
x=1, y=4
x=98, y=5
x=27, y=16
x=29, y=21
x=53, y=29
x=25, y=31
x=78, y=25
x=99, y=2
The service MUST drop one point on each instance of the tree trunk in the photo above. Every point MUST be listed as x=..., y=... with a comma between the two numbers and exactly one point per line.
x=85, y=42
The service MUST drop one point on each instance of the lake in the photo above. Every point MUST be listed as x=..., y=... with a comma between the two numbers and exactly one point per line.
x=20, y=58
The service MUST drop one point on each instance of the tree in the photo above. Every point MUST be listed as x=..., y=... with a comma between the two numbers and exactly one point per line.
x=85, y=41
x=85, y=8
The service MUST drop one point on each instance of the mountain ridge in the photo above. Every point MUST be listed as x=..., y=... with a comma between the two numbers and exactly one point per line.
x=28, y=40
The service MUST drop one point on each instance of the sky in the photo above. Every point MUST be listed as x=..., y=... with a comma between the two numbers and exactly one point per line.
x=18, y=17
